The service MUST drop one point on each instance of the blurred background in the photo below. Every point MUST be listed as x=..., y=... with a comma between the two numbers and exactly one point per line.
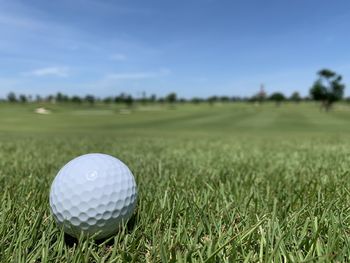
x=268, y=65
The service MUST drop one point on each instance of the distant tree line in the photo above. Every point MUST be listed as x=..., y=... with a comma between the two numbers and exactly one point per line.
x=129, y=99
x=123, y=98
x=64, y=98
x=328, y=88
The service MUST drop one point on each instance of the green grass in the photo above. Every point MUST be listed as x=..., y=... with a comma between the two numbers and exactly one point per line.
x=227, y=183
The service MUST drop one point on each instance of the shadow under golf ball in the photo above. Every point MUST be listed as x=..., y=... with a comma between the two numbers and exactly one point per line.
x=127, y=228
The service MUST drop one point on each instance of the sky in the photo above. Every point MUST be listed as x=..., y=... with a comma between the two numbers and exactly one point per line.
x=191, y=47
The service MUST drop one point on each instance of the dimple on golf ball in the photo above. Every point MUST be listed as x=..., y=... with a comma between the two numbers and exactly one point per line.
x=93, y=194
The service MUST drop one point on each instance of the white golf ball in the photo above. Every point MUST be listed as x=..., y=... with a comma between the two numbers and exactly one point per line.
x=93, y=193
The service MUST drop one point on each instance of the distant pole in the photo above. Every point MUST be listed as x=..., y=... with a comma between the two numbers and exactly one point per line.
x=262, y=90
x=262, y=93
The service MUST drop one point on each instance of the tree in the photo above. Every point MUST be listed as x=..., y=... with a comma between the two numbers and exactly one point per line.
x=295, y=97
x=171, y=97
x=23, y=98
x=38, y=98
x=161, y=100
x=153, y=98
x=90, y=99
x=76, y=99
x=107, y=100
x=11, y=97
x=277, y=97
x=235, y=98
x=50, y=98
x=211, y=100
x=129, y=101
x=59, y=97
x=224, y=99
x=196, y=100
x=121, y=98
x=327, y=88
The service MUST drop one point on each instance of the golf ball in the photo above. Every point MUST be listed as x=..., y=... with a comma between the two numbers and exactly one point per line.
x=93, y=194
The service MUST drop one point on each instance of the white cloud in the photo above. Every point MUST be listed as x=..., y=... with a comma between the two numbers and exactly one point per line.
x=50, y=71
x=137, y=75
x=126, y=80
x=118, y=57
x=131, y=76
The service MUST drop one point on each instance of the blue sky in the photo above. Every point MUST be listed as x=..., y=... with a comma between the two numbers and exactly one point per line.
x=192, y=47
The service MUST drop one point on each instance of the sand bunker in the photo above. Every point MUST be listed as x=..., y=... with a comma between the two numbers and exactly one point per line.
x=42, y=110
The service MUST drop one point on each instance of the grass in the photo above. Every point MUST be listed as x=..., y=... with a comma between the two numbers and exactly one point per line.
x=226, y=183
